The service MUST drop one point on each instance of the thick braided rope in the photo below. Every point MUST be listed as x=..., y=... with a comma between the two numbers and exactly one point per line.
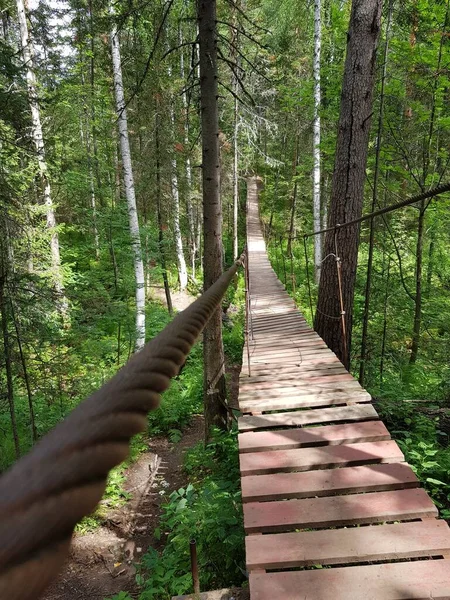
x=62, y=479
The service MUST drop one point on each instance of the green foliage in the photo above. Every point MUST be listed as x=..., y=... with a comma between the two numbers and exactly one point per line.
x=425, y=448
x=209, y=510
x=121, y=596
x=182, y=400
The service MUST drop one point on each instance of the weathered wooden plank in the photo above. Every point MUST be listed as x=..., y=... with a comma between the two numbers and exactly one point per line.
x=306, y=400
x=274, y=388
x=328, y=482
x=350, y=433
x=340, y=546
x=333, y=511
x=300, y=375
x=418, y=580
x=358, y=412
x=301, y=389
x=304, y=459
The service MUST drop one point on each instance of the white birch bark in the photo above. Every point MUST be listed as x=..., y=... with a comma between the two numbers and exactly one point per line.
x=189, y=206
x=38, y=140
x=235, y=178
x=128, y=182
x=181, y=262
x=316, y=139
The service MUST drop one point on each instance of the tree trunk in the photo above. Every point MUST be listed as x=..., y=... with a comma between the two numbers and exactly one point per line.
x=8, y=369
x=376, y=175
x=128, y=182
x=25, y=373
x=349, y=176
x=383, y=337
x=214, y=372
x=235, y=85
x=162, y=250
x=181, y=263
x=316, y=139
x=418, y=277
x=38, y=140
x=430, y=266
x=294, y=199
x=189, y=205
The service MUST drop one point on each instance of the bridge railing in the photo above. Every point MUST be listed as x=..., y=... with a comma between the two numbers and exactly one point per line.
x=47, y=492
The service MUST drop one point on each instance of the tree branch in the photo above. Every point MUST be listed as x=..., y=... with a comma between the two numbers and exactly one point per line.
x=244, y=33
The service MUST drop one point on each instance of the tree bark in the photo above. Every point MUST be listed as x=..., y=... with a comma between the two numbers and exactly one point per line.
x=7, y=353
x=213, y=353
x=349, y=176
x=376, y=175
x=38, y=140
x=128, y=182
x=235, y=86
x=181, y=263
x=189, y=205
x=418, y=277
x=162, y=250
x=316, y=139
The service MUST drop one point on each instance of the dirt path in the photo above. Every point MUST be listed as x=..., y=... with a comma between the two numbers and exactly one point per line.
x=101, y=562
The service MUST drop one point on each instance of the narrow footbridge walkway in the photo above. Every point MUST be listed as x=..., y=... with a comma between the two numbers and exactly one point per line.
x=331, y=510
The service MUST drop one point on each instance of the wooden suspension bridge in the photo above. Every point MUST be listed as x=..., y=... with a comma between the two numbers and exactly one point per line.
x=331, y=509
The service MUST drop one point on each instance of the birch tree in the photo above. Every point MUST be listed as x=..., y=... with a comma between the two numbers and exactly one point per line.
x=316, y=138
x=128, y=183
x=38, y=141
x=181, y=262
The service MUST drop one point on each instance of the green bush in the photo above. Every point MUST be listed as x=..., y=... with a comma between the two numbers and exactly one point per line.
x=209, y=510
x=422, y=443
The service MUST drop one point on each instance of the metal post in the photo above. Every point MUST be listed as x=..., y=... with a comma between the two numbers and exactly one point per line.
x=194, y=566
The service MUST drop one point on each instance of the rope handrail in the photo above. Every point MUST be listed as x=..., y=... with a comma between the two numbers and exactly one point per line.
x=45, y=494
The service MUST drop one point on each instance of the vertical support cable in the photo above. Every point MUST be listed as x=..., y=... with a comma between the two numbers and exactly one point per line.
x=341, y=297
x=307, y=278
x=248, y=326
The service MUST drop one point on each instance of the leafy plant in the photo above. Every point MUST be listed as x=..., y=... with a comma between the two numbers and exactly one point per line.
x=209, y=510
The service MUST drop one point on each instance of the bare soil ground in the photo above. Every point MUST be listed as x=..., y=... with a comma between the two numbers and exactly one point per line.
x=101, y=563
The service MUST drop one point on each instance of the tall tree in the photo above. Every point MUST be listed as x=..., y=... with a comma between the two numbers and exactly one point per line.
x=316, y=137
x=214, y=373
x=348, y=178
x=38, y=141
x=128, y=183
x=181, y=262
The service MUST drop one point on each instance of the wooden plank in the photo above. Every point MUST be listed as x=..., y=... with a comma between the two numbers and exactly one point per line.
x=304, y=459
x=334, y=511
x=340, y=546
x=302, y=387
x=419, y=580
x=328, y=482
x=320, y=389
x=299, y=375
x=306, y=400
x=350, y=433
x=358, y=412
x=281, y=387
